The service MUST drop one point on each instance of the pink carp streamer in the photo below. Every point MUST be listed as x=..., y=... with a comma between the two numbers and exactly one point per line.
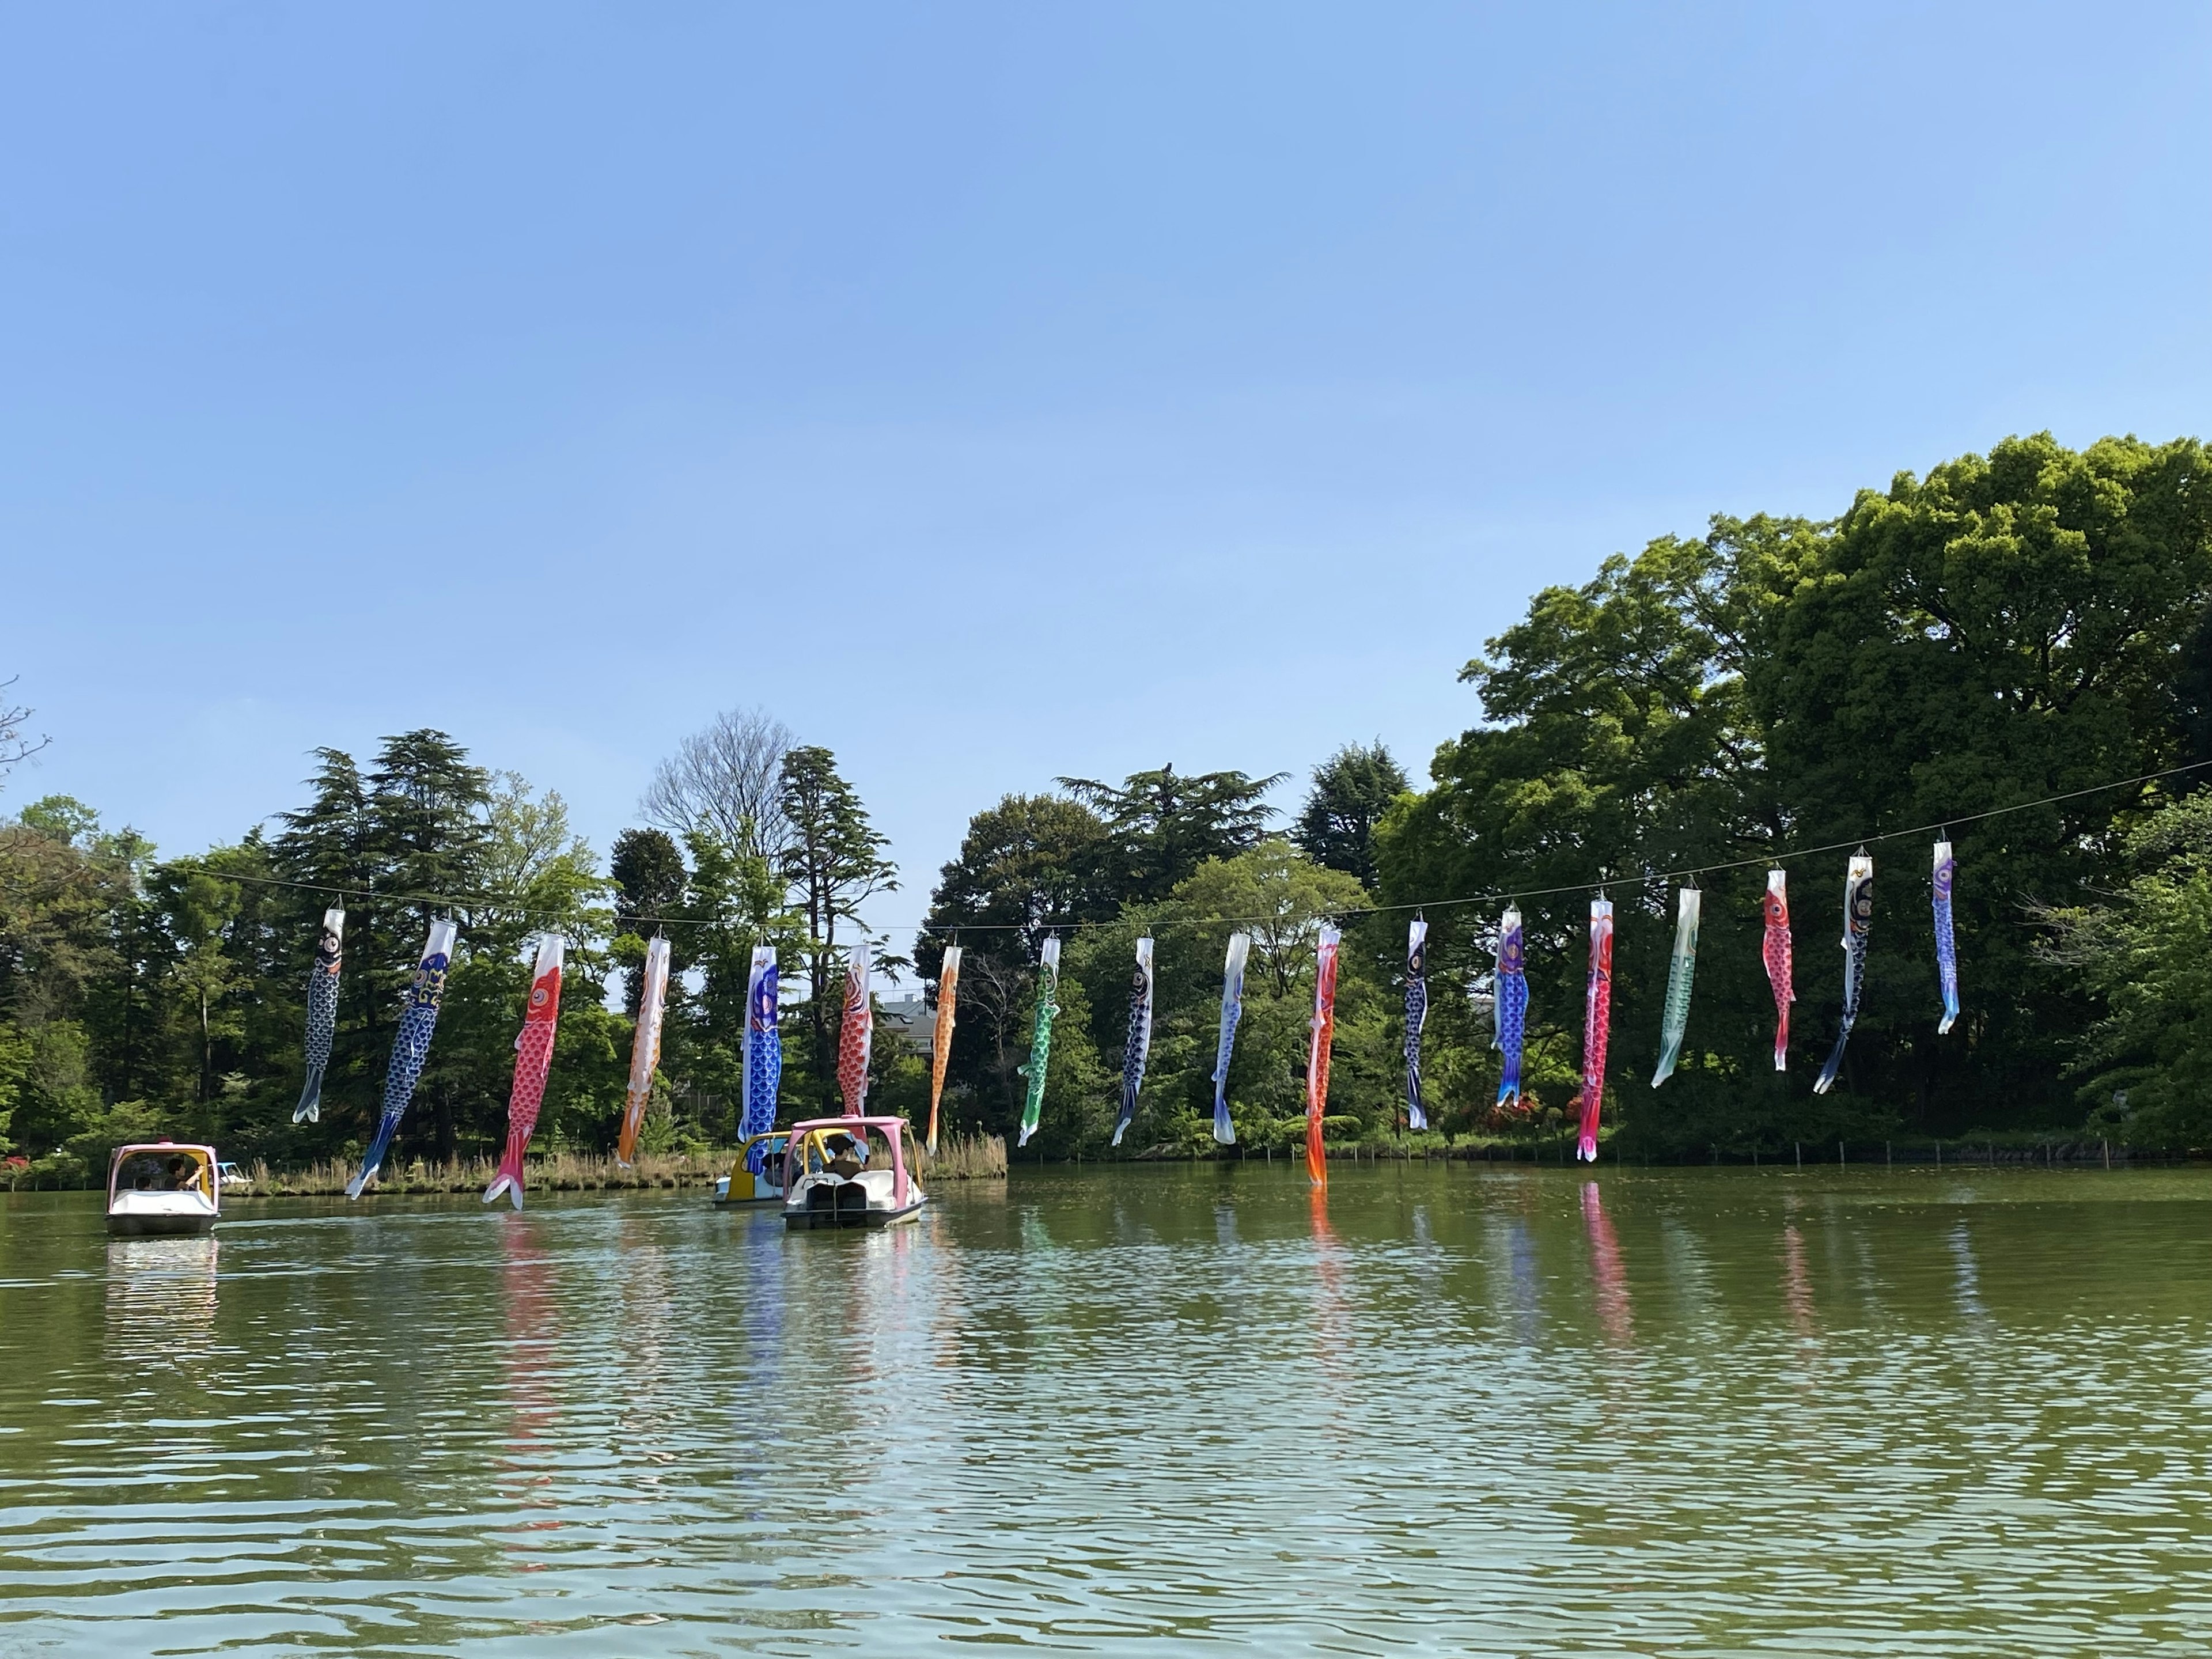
x=533, y=1060
x=1776, y=949
x=948, y=998
x=1597, y=1026
x=1324, y=1033
x=644, y=1049
x=856, y=1036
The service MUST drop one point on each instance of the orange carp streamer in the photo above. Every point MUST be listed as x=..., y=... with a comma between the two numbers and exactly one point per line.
x=533, y=1061
x=1324, y=1031
x=948, y=996
x=855, y=1038
x=644, y=1049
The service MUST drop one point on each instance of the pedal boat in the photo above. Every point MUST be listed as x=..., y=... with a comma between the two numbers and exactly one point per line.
x=741, y=1189
x=163, y=1189
x=875, y=1197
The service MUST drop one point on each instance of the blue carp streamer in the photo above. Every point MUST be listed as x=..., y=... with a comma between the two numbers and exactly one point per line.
x=1138, y=1045
x=322, y=1013
x=1232, y=1010
x=763, y=1054
x=1947, y=942
x=1417, y=1015
x=410, y=1049
x=1510, y=990
x=1858, y=918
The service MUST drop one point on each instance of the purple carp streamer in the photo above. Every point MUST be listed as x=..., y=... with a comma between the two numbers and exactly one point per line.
x=1681, y=967
x=940, y=1037
x=1509, y=999
x=1417, y=1015
x=644, y=1049
x=1775, y=950
x=322, y=1013
x=763, y=1053
x=1597, y=1026
x=1232, y=1010
x=418, y=1018
x=1858, y=921
x=1047, y=1006
x=1947, y=942
x=1137, y=1048
x=533, y=1062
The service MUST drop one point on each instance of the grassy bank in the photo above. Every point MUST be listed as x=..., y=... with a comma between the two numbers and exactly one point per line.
x=960, y=1158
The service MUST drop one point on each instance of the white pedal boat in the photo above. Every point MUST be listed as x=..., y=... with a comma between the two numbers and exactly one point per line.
x=162, y=1188
x=857, y=1186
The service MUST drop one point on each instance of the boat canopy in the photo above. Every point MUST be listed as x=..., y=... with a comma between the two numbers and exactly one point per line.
x=892, y=1129
x=162, y=1166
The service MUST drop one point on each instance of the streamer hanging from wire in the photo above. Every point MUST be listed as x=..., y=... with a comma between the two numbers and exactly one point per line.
x=410, y=1047
x=764, y=1057
x=1681, y=967
x=533, y=1062
x=1858, y=922
x=322, y=1013
x=1324, y=1034
x=856, y=1037
x=1048, y=1005
x=1597, y=1024
x=644, y=1047
x=1947, y=944
x=1232, y=1010
x=1416, y=1017
x=1774, y=948
x=1137, y=1047
x=940, y=1041
x=1509, y=1004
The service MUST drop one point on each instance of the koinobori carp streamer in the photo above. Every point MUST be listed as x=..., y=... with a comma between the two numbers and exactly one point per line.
x=1681, y=967
x=322, y=1013
x=940, y=1041
x=533, y=1062
x=1597, y=1024
x=644, y=1047
x=1509, y=1004
x=1137, y=1048
x=1417, y=1015
x=1324, y=1034
x=1947, y=942
x=1775, y=906
x=763, y=1071
x=1858, y=922
x=856, y=1036
x=1048, y=1005
x=410, y=1047
x=1232, y=1010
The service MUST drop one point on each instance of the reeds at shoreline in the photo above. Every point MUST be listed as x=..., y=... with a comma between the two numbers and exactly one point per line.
x=959, y=1158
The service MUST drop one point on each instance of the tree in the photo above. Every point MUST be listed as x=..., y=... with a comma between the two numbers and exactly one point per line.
x=1352, y=790
x=650, y=879
x=833, y=863
x=14, y=744
x=727, y=778
x=1163, y=825
x=1028, y=866
x=2147, y=952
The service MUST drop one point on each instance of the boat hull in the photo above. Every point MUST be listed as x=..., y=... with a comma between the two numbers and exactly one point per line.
x=160, y=1226
x=772, y=1200
x=807, y=1220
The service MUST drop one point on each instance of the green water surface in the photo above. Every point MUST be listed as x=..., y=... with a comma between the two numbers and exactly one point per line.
x=1140, y=1410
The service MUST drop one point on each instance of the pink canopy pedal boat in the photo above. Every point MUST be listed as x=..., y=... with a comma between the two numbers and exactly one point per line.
x=855, y=1187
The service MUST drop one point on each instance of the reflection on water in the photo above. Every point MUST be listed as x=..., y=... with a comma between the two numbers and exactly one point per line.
x=1153, y=1410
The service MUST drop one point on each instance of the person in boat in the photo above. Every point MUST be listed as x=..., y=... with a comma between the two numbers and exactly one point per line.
x=846, y=1156
x=183, y=1175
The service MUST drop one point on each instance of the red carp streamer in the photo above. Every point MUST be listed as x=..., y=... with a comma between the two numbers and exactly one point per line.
x=1597, y=1024
x=853, y=1040
x=1324, y=1031
x=1776, y=949
x=533, y=1059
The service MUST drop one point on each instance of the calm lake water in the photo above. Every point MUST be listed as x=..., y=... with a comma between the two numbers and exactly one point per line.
x=1142, y=1410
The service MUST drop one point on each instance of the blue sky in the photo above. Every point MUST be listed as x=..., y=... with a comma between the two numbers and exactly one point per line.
x=995, y=391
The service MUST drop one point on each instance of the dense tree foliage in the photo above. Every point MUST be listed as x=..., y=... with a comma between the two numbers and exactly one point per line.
x=2030, y=626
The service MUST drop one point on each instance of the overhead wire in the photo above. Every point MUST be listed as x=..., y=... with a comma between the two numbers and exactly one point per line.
x=518, y=904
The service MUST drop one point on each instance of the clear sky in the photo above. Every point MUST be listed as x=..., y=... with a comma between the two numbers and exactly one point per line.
x=995, y=391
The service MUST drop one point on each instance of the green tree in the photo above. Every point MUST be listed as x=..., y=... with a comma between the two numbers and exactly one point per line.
x=1352, y=790
x=833, y=863
x=1163, y=825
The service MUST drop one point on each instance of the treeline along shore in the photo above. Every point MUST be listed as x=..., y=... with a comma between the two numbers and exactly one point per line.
x=2027, y=629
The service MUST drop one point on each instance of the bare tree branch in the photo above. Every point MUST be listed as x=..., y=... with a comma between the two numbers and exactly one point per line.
x=13, y=746
x=726, y=779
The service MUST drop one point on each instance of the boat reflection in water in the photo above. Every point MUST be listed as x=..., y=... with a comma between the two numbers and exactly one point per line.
x=162, y=1295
